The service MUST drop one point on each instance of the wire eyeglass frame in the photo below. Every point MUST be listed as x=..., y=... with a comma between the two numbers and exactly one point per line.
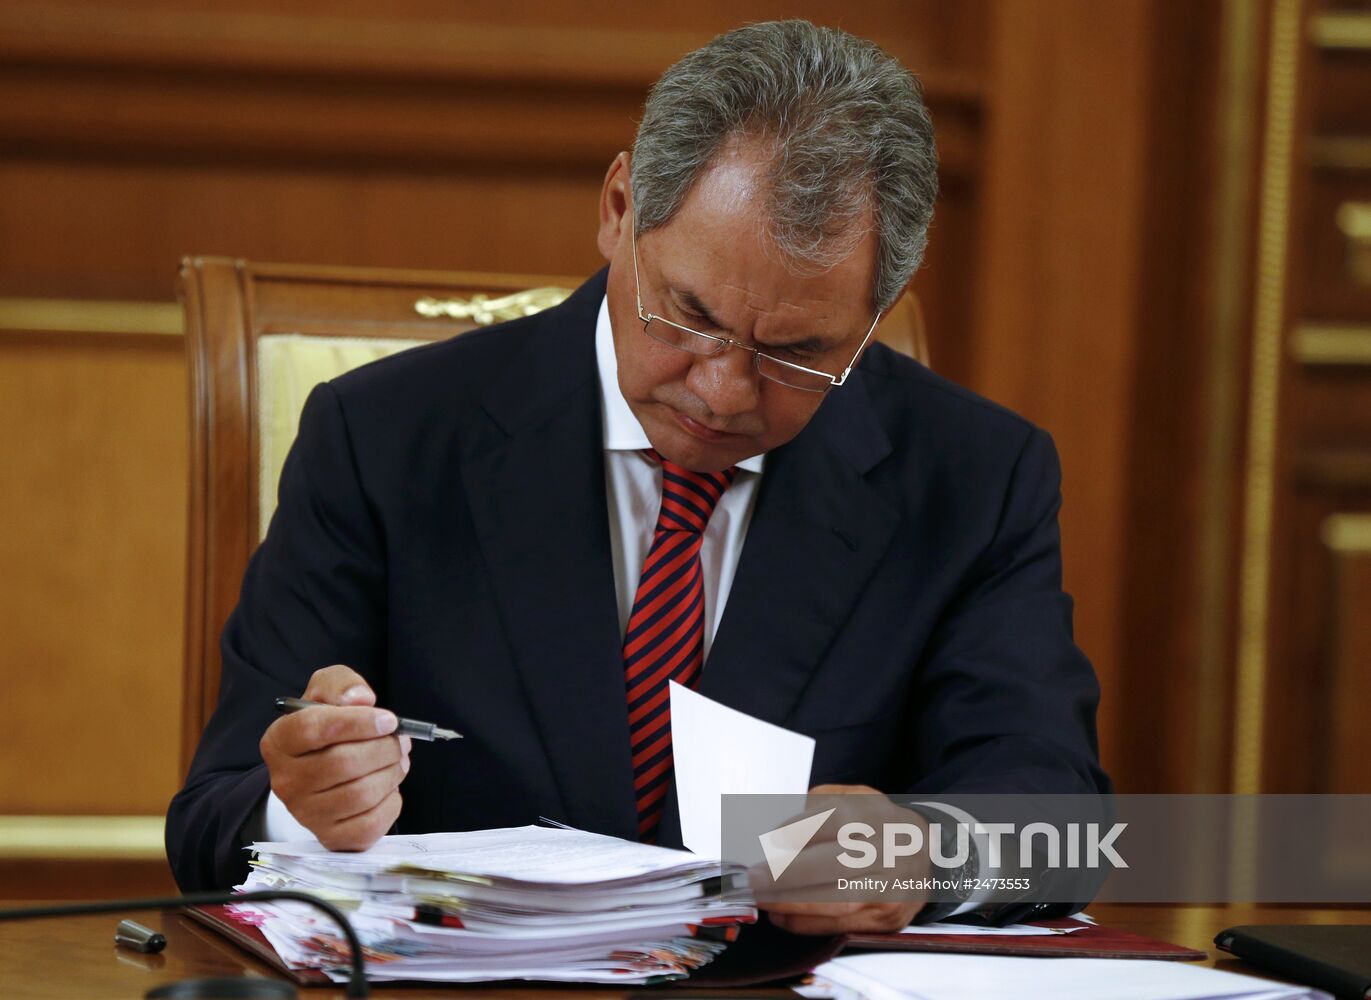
x=717, y=345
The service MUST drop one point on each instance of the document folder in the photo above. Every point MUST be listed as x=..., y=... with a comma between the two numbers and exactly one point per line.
x=762, y=953
x=1087, y=942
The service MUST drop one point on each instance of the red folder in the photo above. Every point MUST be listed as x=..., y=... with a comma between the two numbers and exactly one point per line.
x=1092, y=941
x=248, y=937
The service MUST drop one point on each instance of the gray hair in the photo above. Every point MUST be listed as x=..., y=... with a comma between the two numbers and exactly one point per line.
x=848, y=134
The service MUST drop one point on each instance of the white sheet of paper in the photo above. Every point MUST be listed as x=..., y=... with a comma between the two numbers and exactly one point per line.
x=527, y=853
x=1013, y=930
x=718, y=751
x=908, y=975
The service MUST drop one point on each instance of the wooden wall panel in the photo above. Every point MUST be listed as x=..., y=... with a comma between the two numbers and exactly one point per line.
x=550, y=40
x=1056, y=334
x=67, y=878
x=119, y=229
x=92, y=500
x=1349, y=648
x=1304, y=661
x=383, y=136
x=1177, y=515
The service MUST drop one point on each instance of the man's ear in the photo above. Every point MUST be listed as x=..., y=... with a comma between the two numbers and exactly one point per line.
x=616, y=201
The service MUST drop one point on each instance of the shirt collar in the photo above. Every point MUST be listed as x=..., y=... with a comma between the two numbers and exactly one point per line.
x=622, y=430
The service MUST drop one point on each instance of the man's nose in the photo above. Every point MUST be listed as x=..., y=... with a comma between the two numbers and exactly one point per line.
x=726, y=382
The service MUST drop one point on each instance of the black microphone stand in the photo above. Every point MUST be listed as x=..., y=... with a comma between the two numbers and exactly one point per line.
x=357, y=984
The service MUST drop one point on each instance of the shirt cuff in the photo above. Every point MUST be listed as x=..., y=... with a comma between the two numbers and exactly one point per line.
x=273, y=822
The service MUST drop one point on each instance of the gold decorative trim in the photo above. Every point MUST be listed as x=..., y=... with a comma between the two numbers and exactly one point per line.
x=482, y=310
x=1353, y=219
x=1339, y=152
x=1341, y=30
x=1268, y=319
x=134, y=838
x=1347, y=534
x=1331, y=344
x=1235, y=141
x=83, y=316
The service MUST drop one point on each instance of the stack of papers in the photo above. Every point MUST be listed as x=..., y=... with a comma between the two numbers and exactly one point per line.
x=522, y=903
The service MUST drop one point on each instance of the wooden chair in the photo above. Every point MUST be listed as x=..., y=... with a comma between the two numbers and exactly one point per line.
x=258, y=338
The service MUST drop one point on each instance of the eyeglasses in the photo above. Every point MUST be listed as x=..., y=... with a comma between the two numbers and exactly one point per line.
x=705, y=345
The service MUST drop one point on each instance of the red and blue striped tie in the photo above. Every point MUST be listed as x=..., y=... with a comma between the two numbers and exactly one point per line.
x=666, y=631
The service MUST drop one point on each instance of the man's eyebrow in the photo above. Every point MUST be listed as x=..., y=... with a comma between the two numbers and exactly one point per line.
x=813, y=344
x=692, y=302
x=809, y=345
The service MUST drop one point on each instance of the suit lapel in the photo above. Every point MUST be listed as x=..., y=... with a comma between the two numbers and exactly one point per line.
x=817, y=532
x=535, y=484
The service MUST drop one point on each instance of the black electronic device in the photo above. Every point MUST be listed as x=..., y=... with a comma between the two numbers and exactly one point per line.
x=1332, y=957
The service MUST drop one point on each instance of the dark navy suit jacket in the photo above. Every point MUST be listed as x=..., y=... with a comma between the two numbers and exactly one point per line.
x=443, y=529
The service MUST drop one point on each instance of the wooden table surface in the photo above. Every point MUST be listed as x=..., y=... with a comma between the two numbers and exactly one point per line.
x=75, y=957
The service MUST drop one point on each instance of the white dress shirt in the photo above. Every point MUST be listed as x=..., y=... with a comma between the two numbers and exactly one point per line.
x=633, y=491
x=633, y=488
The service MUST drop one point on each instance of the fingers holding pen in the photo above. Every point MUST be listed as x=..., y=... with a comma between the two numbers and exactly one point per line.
x=346, y=793
x=339, y=685
x=321, y=726
x=357, y=796
x=323, y=747
x=357, y=833
x=336, y=760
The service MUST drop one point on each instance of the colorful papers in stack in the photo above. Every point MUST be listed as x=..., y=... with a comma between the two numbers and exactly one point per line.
x=521, y=903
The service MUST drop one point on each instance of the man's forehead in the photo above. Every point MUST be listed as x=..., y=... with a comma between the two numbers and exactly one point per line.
x=718, y=279
x=718, y=246
x=815, y=324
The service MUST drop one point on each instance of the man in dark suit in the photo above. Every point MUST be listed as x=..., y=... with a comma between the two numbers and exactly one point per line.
x=830, y=537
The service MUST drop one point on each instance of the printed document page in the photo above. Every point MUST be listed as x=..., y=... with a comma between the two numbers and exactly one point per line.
x=921, y=976
x=718, y=751
x=533, y=854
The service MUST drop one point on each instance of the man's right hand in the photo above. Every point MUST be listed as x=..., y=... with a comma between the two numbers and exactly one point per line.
x=336, y=765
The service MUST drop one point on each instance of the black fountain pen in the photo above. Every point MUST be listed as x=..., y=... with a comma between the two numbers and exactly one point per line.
x=407, y=727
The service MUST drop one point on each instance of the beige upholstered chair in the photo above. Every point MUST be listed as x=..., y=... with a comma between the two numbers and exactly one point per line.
x=259, y=338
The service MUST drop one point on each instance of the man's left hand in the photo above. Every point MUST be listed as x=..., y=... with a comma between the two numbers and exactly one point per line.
x=810, y=876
